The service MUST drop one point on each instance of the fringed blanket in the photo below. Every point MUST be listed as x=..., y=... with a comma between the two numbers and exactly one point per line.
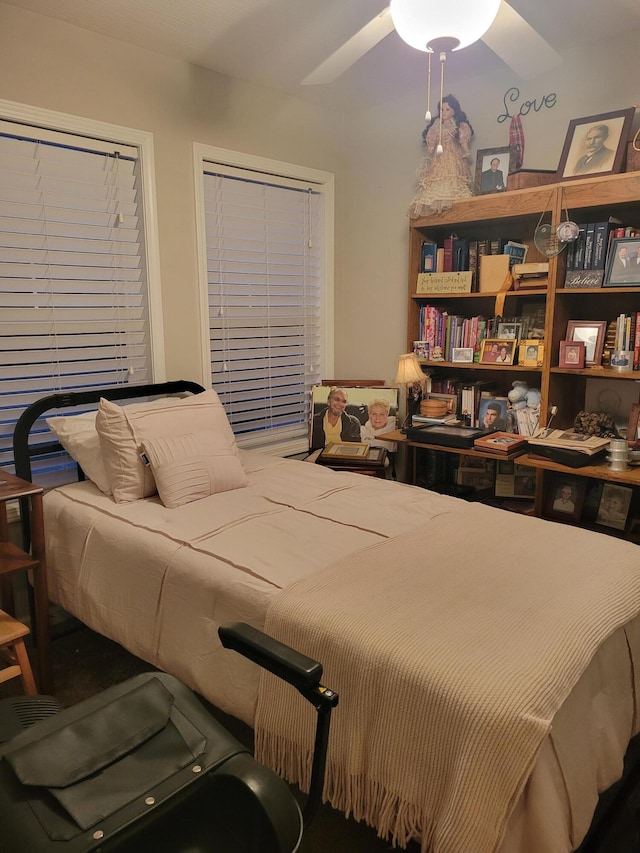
x=451, y=648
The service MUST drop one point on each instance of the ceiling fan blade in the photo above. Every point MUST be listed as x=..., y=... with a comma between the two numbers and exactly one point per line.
x=352, y=50
x=519, y=45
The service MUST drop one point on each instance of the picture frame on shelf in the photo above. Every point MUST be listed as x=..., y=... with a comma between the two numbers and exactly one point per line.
x=462, y=354
x=492, y=414
x=591, y=333
x=510, y=330
x=614, y=506
x=531, y=352
x=595, y=145
x=493, y=167
x=623, y=263
x=633, y=428
x=572, y=354
x=497, y=350
x=565, y=498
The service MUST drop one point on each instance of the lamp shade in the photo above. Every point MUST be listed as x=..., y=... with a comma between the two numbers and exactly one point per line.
x=419, y=22
x=409, y=370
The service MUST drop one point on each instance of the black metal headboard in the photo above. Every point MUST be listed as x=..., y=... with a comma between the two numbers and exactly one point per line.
x=24, y=451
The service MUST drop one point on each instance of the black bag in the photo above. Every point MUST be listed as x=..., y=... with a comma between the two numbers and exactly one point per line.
x=106, y=769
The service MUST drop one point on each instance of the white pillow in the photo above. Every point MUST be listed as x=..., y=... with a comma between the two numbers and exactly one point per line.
x=193, y=465
x=77, y=434
x=122, y=431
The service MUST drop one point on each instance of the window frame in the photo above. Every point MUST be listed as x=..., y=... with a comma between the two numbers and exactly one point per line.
x=208, y=157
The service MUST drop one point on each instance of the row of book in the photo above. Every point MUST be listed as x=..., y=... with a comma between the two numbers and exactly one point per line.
x=442, y=332
x=457, y=254
x=589, y=251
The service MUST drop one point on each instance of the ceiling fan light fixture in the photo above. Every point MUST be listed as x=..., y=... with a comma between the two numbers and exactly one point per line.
x=420, y=22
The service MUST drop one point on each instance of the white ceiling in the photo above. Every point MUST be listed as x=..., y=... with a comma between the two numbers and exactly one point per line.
x=277, y=43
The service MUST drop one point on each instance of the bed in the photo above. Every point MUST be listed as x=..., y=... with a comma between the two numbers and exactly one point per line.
x=426, y=625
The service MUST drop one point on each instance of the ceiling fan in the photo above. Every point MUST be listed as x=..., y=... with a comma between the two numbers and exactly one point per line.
x=510, y=37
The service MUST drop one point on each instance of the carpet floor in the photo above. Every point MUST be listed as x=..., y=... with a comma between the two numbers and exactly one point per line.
x=84, y=663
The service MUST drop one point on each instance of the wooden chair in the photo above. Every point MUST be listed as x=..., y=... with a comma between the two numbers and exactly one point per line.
x=12, y=634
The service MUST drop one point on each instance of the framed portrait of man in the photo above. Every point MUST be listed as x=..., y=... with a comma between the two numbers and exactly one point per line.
x=493, y=166
x=595, y=145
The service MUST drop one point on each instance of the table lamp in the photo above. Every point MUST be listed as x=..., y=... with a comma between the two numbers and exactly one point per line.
x=410, y=374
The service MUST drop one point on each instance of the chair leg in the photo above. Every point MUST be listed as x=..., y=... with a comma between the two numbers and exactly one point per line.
x=22, y=657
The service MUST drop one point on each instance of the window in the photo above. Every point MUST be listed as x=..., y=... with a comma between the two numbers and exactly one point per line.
x=268, y=293
x=74, y=307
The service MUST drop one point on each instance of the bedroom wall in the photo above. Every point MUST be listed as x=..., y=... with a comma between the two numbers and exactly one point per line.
x=373, y=152
x=46, y=63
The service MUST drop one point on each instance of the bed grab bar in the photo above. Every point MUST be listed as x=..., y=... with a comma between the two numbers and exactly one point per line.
x=301, y=672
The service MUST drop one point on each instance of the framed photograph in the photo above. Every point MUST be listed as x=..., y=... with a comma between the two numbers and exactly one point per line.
x=572, y=354
x=531, y=352
x=493, y=166
x=565, y=498
x=633, y=429
x=510, y=330
x=346, y=450
x=591, y=333
x=492, y=414
x=464, y=354
x=614, y=506
x=361, y=413
x=623, y=263
x=497, y=350
x=595, y=145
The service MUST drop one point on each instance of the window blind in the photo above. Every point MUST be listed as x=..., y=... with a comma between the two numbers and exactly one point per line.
x=264, y=239
x=73, y=295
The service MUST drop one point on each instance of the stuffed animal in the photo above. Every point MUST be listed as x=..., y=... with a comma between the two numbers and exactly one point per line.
x=517, y=397
x=523, y=415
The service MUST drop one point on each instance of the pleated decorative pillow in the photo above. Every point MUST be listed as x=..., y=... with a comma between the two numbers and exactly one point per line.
x=123, y=429
x=192, y=466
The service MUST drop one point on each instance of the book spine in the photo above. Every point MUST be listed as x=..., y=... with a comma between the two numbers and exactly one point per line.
x=578, y=255
x=473, y=265
x=429, y=257
x=448, y=254
x=588, y=245
x=636, y=345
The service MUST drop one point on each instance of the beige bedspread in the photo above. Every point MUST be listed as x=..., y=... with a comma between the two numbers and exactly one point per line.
x=453, y=659
x=161, y=581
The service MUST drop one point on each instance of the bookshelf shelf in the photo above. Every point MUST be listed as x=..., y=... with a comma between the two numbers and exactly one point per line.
x=514, y=215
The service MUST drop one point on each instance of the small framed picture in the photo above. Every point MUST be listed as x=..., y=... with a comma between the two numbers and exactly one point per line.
x=595, y=145
x=591, y=333
x=492, y=414
x=462, y=354
x=614, y=506
x=531, y=353
x=565, y=498
x=497, y=350
x=623, y=263
x=572, y=354
x=633, y=429
x=493, y=166
x=510, y=330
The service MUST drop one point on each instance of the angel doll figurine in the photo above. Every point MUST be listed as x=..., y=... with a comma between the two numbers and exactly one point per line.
x=444, y=174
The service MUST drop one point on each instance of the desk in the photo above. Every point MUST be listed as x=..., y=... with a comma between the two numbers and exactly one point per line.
x=14, y=559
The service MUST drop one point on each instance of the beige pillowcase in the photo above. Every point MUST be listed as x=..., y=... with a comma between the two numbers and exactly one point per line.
x=77, y=434
x=122, y=430
x=192, y=466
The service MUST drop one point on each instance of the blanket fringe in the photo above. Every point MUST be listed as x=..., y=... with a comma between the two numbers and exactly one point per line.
x=394, y=819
